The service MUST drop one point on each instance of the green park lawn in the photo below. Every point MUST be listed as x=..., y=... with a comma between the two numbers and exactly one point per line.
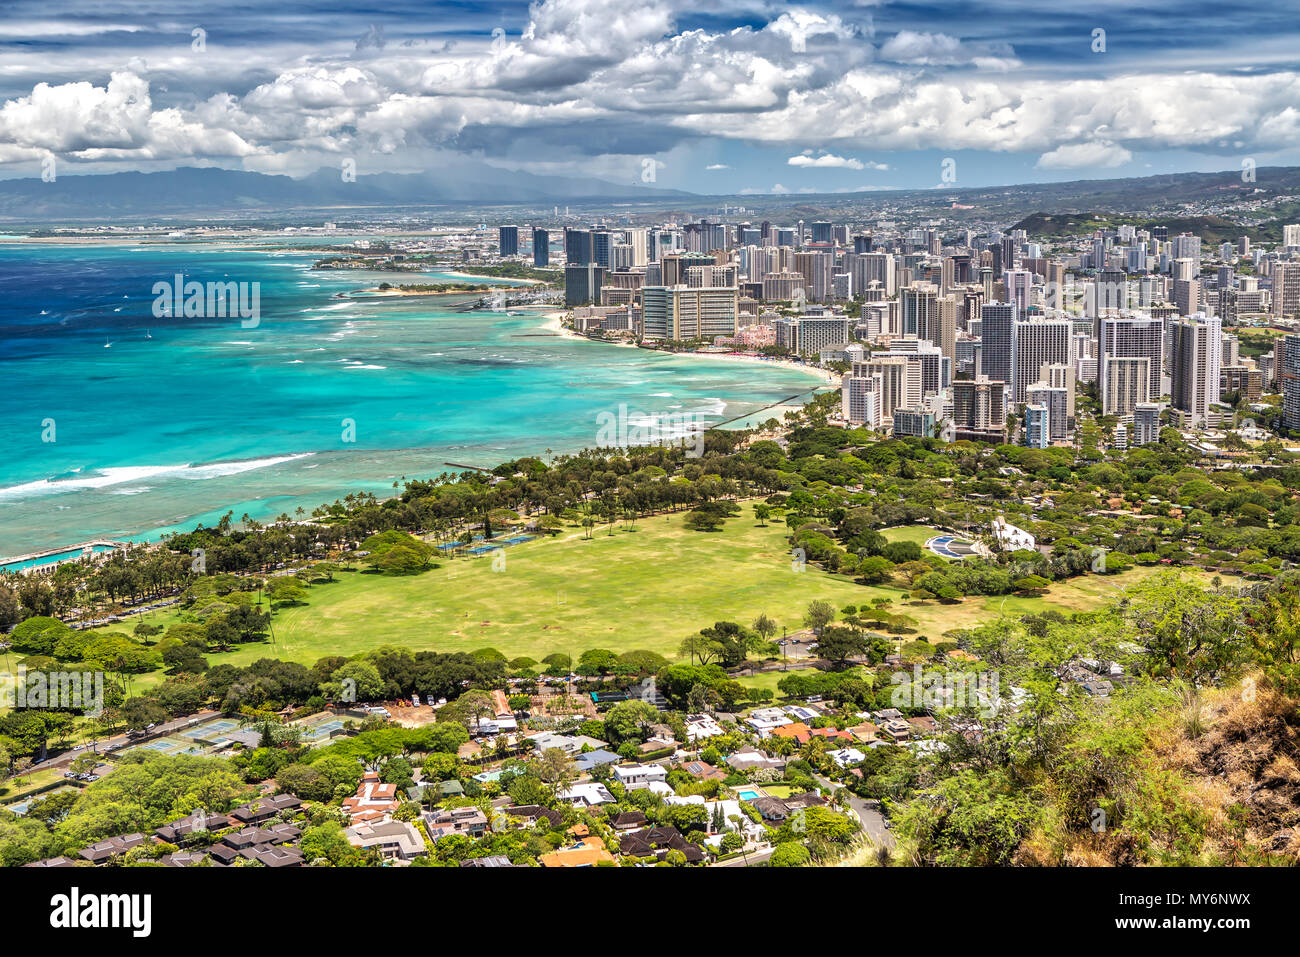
x=644, y=588
x=910, y=533
x=767, y=680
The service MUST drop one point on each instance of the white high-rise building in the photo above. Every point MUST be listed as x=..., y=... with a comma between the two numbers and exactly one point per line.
x=1195, y=360
x=1036, y=343
x=860, y=399
x=1128, y=337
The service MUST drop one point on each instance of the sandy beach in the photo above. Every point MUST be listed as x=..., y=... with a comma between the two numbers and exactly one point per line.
x=554, y=322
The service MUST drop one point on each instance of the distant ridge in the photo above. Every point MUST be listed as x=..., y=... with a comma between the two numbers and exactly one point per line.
x=209, y=190
x=461, y=185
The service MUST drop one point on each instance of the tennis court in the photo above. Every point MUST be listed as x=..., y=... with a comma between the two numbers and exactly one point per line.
x=322, y=730
x=169, y=745
x=210, y=730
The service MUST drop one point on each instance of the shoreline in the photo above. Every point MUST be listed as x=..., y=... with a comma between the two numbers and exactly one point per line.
x=549, y=321
x=555, y=323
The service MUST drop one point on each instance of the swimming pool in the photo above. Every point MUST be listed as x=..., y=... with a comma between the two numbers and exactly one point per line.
x=748, y=794
x=40, y=561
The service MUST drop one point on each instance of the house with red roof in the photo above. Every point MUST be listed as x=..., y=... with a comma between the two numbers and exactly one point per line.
x=374, y=801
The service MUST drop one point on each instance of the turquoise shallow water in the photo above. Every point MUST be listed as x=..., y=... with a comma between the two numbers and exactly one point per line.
x=179, y=420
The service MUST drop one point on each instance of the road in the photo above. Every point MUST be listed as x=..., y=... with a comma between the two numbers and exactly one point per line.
x=749, y=859
x=873, y=822
x=104, y=745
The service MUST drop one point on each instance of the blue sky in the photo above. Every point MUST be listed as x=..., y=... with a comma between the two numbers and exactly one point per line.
x=744, y=97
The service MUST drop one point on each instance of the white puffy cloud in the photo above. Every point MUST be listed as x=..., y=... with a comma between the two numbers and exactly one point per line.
x=825, y=161
x=586, y=77
x=940, y=49
x=1098, y=154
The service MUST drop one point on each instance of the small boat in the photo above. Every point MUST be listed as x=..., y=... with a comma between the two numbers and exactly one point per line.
x=107, y=344
x=148, y=334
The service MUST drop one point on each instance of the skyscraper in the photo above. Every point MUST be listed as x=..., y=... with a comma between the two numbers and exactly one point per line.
x=508, y=240
x=1289, y=374
x=1286, y=289
x=1037, y=427
x=1052, y=398
x=997, y=320
x=1131, y=337
x=582, y=284
x=541, y=247
x=1035, y=343
x=1194, y=361
x=1125, y=383
x=1020, y=286
x=1146, y=423
x=577, y=246
x=860, y=399
x=979, y=410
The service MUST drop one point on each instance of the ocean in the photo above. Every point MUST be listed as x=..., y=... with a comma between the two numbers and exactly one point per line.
x=118, y=424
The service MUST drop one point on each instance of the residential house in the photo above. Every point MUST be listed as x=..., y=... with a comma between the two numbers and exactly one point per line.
x=846, y=756
x=628, y=821
x=700, y=726
x=398, y=840
x=750, y=757
x=102, y=851
x=530, y=814
x=458, y=820
x=263, y=809
x=764, y=720
x=637, y=776
x=657, y=842
x=587, y=852
x=702, y=770
x=587, y=795
x=374, y=800
x=588, y=760
x=797, y=730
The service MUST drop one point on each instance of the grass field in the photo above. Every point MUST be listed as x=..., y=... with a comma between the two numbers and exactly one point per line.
x=767, y=680
x=644, y=588
x=910, y=533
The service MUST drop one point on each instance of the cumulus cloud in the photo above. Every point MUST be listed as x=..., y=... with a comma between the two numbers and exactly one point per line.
x=807, y=160
x=940, y=49
x=584, y=77
x=1098, y=154
x=717, y=166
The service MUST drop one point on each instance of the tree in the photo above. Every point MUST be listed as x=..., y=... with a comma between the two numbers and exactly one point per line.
x=630, y=720
x=789, y=854
x=702, y=520
x=555, y=767
x=765, y=626
x=355, y=681
x=1188, y=631
x=819, y=615
x=837, y=644
x=700, y=647
x=1275, y=636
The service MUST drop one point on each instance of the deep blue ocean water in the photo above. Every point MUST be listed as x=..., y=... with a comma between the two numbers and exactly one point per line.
x=160, y=423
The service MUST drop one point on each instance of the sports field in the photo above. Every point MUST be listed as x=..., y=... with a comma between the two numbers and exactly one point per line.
x=644, y=588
